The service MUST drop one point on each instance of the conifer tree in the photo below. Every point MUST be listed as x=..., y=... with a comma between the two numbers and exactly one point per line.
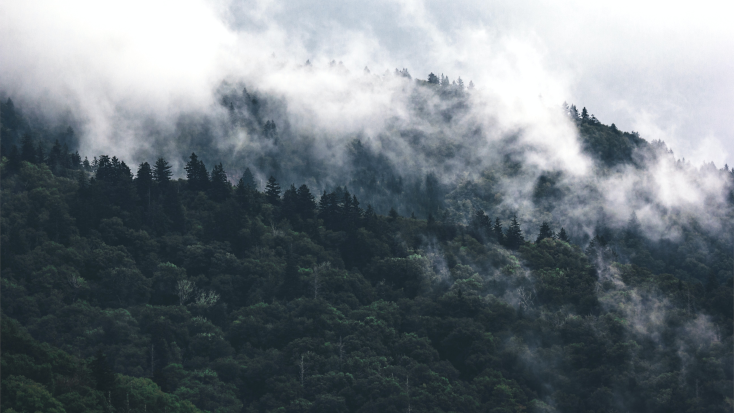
x=248, y=180
x=545, y=232
x=306, y=204
x=432, y=79
x=514, y=238
x=563, y=236
x=272, y=191
x=197, y=174
x=219, y=187
x=498, y=232
x=481, y=221
x=144, y=182
x=289, y=204
x=162, y=171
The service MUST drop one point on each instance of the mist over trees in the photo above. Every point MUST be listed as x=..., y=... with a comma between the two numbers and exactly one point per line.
x=255, y=262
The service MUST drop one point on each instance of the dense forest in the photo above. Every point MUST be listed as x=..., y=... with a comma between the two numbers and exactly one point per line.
x=280, y=279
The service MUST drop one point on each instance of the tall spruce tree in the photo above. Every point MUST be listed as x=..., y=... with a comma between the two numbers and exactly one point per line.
x=196, y=174
x=219, y=188
x=162, y=171
x=563, y=236
x=499, y=234
x=545, y=232
x=514, y=238
x=272, y=191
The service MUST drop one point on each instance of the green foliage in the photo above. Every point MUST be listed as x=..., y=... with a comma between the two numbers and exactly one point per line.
x=140, y=295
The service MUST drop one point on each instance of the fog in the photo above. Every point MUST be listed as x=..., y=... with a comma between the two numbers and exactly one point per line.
x=144, y=79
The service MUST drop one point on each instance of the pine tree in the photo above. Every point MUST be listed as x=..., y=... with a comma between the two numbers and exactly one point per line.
x=498, y=232
x=545, y=232
x=144, y=182
x=248, y=180
x=219, y=188
x=563, y=236
x=584, y=114
x=306, y=204
x=514, y=238
x=432, y=79
x=471, y=85
x=481, y=221
x=460, y=83
x=196, y=174
x=445, y=81
x=289, y=204
x=393, y=214
x=162, y=171
x=272, y=191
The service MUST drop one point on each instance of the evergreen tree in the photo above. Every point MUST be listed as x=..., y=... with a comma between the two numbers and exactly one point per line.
x=514, y=238
x=471, y=85
x=306, y=205
x=162, y=171
x=219, y=188
x=498, y=232
x=545, y=232
x=393, y=214
x=445, y=81
x=197, y=174
x=481, y=221
x=289, y=204
x=432, y=79
x=144, y=182
x=248, y=180
x=460, y=83
x=329, y=209
x=563, y=236
x=56, y=158
x=272, y=191
x=584, y=114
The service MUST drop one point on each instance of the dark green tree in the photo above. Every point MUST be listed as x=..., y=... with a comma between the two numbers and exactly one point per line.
x=162, y=171
x=197, y=174
x=432, y=79
x=272, y=191
x=248, y=180
x=563, y=236
x=481, y=221
x=514, y=238
x=545, y=232
x=306, y=205
x=498, y=232
x=219, y=188
x=144, y=183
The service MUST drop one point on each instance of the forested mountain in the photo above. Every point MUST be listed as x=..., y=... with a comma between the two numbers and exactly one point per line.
x=423, y=267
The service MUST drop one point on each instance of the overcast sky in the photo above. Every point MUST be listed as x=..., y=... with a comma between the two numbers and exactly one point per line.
x=663, y=69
